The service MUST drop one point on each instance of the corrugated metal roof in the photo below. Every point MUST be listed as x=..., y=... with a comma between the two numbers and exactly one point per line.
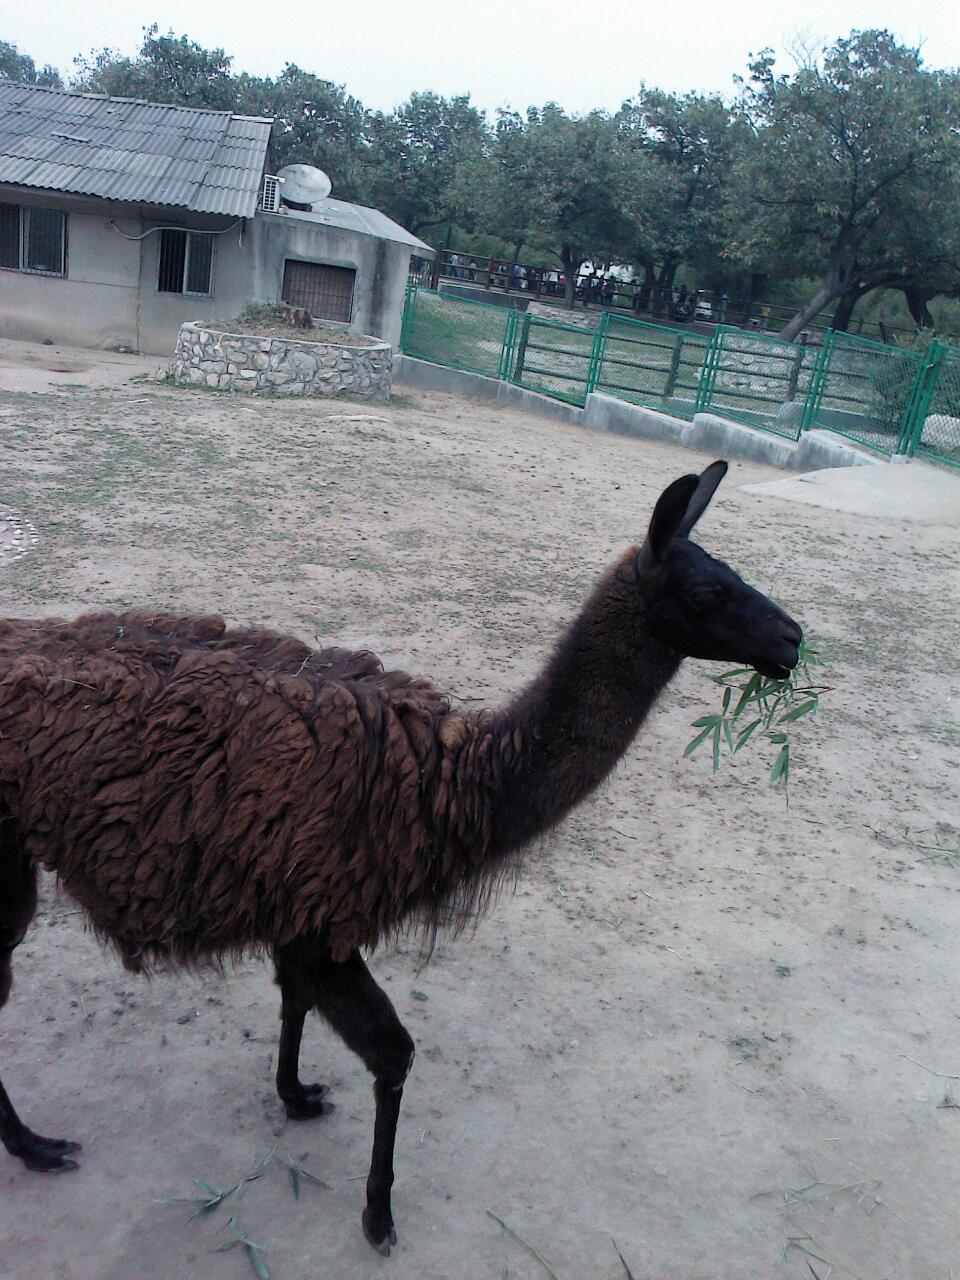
x=356, y=217
x=138, y=152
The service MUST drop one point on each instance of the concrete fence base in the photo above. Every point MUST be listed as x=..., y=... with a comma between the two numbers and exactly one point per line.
x=708, y=433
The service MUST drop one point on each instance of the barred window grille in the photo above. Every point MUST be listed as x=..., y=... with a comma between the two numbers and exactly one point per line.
x=326, y=292
x=33, y=240
x=186, y=262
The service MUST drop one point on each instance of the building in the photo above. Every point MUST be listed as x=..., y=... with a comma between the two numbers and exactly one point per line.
x=120, y=219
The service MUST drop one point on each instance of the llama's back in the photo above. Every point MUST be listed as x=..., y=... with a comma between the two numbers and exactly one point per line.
x=201, y=790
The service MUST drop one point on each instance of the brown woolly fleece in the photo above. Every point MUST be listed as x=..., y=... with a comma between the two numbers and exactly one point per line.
x=202, y=791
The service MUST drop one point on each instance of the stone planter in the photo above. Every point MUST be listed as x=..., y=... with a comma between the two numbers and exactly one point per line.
x=291, y=366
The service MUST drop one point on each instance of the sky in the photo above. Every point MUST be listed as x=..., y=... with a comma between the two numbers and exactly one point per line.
x=502, y=52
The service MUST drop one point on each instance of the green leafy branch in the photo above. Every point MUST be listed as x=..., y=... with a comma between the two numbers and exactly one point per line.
x=755, y=704
x=213, y=1197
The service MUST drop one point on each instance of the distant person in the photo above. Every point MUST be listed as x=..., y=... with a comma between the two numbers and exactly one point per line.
x=765, y=315
x=454, y=261
x=722, y=303
x=606, y=293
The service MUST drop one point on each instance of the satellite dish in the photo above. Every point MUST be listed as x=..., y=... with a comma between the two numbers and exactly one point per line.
x=303, y=185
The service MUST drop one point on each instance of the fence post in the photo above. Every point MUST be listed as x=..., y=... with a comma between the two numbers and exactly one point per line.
x=596, y=355
x=705, y=379
x=671, y=382
x=506, y=346
x=918, y=406
x=409, y=302
x=811, y=401
x=794, y=380
x=522, y=321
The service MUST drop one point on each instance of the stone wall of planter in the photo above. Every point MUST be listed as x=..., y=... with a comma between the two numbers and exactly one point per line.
x=291, y=366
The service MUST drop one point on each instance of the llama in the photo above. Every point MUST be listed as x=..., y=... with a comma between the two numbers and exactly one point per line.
x=202, y=792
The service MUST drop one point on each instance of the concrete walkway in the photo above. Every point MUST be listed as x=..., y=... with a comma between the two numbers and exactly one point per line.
x=912, y=491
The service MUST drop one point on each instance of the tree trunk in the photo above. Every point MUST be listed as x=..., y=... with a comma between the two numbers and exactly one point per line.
x=571, y=265
x=845, y=307
x=517, y=249
x=829, y=289
x=917, y=300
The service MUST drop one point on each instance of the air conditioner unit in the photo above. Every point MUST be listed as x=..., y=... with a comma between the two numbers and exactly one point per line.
x=270, y=199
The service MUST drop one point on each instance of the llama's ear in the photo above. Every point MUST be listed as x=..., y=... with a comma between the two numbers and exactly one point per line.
x=668, y=515
x=706, y=488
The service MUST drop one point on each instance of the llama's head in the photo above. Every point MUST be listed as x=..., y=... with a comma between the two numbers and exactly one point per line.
x=698, y=605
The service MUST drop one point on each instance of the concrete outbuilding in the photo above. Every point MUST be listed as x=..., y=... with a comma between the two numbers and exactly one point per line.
x=121, y=219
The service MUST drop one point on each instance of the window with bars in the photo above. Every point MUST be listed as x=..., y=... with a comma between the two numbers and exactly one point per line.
x=186, y=262
x=33, y=240
x=326, y=292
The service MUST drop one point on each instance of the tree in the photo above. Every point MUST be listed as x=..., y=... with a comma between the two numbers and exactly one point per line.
x=22, y=68
x=850, y=155
x=167, y=69
x=584, y=188
x=684, y=148
x=315, y=122
x=415, y=154
x=499, y=188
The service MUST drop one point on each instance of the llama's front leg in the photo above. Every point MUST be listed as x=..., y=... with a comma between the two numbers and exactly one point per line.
x=43, y=1155
x=365, y=1019
x=301, y=1101
x=18, y=901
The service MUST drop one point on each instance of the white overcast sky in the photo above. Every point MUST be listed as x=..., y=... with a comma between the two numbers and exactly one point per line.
x=503, y=52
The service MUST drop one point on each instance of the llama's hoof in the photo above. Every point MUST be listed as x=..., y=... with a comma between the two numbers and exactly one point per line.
x=308, y=1102
x=48, y=1155
x=379, y=1233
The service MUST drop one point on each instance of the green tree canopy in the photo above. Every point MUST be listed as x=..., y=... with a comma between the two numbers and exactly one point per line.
x=19, y=66
x=315, y=122
x=167, y=69
x=850, y=154
x=684, y=147
x=414, y=157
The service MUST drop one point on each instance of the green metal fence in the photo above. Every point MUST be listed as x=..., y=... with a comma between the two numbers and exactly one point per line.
x=867, y=392
x=556, y=359
x=759, y=380
x=650, y=364
x=889, y=399
x=936, y=432
x=464, y=334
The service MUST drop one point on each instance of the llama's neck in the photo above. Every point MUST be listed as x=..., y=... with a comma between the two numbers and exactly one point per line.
x=569, y=728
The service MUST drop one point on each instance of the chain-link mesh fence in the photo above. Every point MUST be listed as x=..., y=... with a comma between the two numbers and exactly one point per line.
x=453, y=331
x=652, y=365
x=937, y=432
x=866, y=391
x=890, y=399
x=759, y=380
x=554, y=359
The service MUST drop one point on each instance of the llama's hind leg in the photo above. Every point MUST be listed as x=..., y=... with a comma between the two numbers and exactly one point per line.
x=18, y=901
x=299, y=995
x=362, y=1015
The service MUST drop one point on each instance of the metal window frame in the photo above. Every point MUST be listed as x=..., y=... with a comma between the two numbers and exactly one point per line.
x=183, y=291
x=24, y=212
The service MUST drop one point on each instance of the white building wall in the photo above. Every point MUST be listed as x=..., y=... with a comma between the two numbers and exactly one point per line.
x=109, y=297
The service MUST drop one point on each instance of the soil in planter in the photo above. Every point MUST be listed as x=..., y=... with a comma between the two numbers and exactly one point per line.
x=264, y=320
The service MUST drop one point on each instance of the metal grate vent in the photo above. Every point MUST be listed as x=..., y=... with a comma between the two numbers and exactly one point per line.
x=270, y=200
x=326, y=292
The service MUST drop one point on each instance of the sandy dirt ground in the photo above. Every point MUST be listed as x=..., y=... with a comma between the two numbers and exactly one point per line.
x=720, y=1031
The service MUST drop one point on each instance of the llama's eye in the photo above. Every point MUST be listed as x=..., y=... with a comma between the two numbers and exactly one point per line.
x=704, y=597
